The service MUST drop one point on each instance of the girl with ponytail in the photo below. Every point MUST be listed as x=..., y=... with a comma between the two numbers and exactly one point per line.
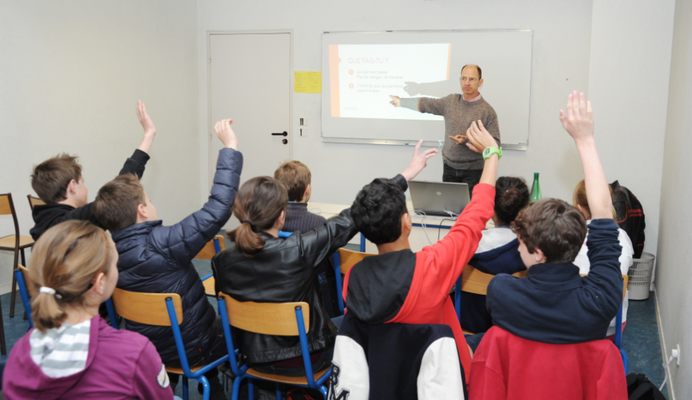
x=497, y=252
x=72, y=349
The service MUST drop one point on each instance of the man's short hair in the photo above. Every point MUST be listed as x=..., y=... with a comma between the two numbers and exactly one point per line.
x=554, y=226
x=51, y=177
x=296, y=177
x=117, y=201
x=377, y=211
x=480, y=72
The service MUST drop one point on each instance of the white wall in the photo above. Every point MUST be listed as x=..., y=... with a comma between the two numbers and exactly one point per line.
x=674, y=250
x=560, y=64
x=628, y=85
x=70, y=76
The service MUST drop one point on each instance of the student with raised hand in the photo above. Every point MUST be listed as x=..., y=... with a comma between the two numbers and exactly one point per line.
x=413, y=288
x=496, y=253
x=555, y=304
x=264, y=268
x=72, y=352
x=580, y=200
x=58, y=181
x=158, y=259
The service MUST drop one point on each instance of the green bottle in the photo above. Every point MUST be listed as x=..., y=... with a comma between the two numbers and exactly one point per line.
x=535, y=189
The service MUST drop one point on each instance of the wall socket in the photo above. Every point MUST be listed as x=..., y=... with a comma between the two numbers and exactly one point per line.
x=303, y=131
x=302, y=121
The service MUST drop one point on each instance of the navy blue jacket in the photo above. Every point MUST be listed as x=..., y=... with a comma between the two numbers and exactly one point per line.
x=554, y=304
x=158, y=259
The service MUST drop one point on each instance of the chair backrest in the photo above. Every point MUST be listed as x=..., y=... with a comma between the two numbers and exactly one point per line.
x=347, y=258
x=266, y=318
x=34, y=201
x=475, y=281
x=7, y=208
x=147, y=308
x=212, y=247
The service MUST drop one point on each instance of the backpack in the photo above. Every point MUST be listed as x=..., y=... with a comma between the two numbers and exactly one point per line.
x=629, y=216
x=639, y=387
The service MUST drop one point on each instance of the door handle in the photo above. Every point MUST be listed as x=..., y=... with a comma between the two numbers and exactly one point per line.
x=284, y=141
x=284, y=133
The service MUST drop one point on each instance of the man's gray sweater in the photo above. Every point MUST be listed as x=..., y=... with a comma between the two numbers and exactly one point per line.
x=458, y=114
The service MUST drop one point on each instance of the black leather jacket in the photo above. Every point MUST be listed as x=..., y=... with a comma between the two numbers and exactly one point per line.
x=285, y=271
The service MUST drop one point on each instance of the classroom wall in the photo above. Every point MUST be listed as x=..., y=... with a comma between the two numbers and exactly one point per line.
x=70, y=76
x=563, y=46
x=674, y=252
x=560, y=63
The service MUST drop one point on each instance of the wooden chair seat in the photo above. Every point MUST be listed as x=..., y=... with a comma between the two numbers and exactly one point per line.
x=179, y=371
x=290, y=380
x=8, y=242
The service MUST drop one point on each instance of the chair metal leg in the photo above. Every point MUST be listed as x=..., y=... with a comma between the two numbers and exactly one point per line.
x=185, y=394
x=250, y=390
x=3, y=347
x=278, y=391
x=205, y=385
x=24, y=264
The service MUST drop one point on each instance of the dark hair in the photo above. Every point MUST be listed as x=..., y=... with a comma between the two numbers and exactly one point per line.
x=116, y=202
x=66, y=258
x=258, y=205
x=511, y=195
x=296, y=177
x=480, y=72
x=554, y=226
x=51, y=177
x=377, y=211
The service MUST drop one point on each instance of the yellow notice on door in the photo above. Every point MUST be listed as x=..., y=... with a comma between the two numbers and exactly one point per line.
x=308, y=82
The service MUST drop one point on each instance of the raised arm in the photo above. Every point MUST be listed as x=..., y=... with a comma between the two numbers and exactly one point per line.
x=578, y=122
x=479, y=140
x=148, y=125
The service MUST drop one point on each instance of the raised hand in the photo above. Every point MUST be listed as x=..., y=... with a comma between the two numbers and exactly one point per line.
x=225, y=133
x=479, y=137
x=396, y=101
x=578, y=120
x=419, y=161
x=459, y=139
x=148, y=125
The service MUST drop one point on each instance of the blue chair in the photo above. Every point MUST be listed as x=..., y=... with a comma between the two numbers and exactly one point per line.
x=284, y=235
x=279, y=319
x=164, y=309
x=22, y=276
x=618, y=327
x=344, y=259
x=210, y=249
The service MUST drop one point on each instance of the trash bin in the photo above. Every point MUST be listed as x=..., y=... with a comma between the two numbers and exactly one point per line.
x=640, y=276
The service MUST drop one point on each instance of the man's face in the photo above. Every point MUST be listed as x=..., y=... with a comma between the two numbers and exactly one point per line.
x=470, y=82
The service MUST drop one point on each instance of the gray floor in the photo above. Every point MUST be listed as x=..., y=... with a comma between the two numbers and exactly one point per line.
x=640, y=339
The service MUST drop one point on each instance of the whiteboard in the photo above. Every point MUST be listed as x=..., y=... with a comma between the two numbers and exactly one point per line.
x=361, y=69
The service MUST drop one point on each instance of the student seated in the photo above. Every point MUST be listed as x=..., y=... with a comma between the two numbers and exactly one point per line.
x=59, y=183
x=497, y=251
x=263, y=268
x=554, y=304
x=296, y=177
x=413, y=288
x=158, y=259
x=72, y=353
x=582, y=260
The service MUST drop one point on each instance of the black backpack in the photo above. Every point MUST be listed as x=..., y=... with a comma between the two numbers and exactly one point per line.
x=639, y=387
x=630, y=216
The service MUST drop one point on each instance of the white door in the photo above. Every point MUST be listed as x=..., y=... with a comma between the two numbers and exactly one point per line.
x=250, y=81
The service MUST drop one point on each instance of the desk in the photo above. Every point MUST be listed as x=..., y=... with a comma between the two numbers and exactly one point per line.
x=426, y=230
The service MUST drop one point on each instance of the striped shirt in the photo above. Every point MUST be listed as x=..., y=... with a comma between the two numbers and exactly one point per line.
x=63, y=351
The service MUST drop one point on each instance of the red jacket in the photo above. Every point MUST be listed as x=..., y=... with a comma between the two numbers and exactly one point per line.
x=413, y=288
x=507, y=367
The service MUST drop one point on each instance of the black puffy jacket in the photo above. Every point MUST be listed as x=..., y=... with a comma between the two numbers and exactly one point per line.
x=158, y=259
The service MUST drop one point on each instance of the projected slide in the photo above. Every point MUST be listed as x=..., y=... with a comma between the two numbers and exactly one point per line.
x=362, y=76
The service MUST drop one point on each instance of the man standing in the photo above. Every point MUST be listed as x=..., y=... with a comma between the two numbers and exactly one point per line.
x=459, y=110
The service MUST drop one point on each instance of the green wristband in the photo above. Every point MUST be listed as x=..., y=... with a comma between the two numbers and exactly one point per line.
x=489, y=151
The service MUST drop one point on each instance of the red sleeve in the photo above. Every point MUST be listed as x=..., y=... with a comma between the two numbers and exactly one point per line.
x=445, y=259
x=150, y=378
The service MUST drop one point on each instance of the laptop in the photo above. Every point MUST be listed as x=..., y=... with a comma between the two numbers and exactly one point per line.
x=439, y=198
